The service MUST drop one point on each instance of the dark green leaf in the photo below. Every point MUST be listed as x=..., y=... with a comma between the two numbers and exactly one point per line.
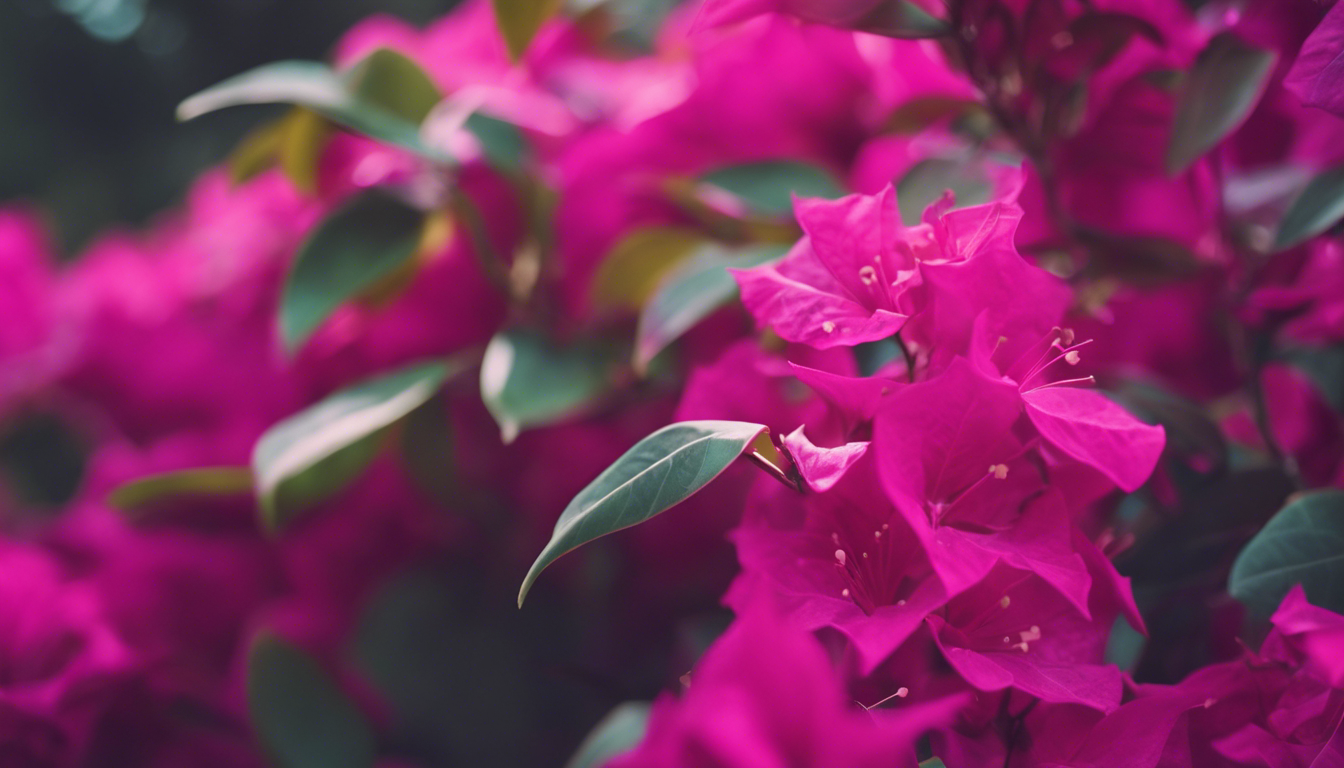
x=520, y=20
x=660, y=471
x=1317, y=209
x=1325, y=367
x=766, y=187
x=1302, y=544
x=319, y=450
x=1220, y=91
x=529, y=381
x=301, y=716
x=619, y=732
x=693, y=291
x=205, y=481
x=927, y=180
x=362, y=242
x=501, y=142
x=902, y=19
x=872, y=356
x=1125, y=645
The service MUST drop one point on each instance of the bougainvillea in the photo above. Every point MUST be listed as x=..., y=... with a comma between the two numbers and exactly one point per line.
x=969, y=374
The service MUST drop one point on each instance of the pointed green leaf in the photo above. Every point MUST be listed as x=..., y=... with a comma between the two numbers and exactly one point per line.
x=308, y=83
x=316, y=86
x=1317, y=209
x=149, y=490
x=362, y=242
x=303, y=719
x=1220, y=91
x=767, y=187
x=660, y=471
x=529, y=381
x=317, y=451
x=693, y=291
x=520, y=20
x=617, y=733
x=1302, y=544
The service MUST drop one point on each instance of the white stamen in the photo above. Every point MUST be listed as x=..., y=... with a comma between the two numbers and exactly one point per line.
x=868, y=275
x=1005, y=601
x=902, y=692
x=844, y=593
x=999, y=471
x=828, y=326
x=1072, y=357
x=840, y=556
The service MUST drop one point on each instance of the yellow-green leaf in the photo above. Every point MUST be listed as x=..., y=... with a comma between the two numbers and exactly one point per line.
x=633, y=268
x=149, y=490
x=520, y=20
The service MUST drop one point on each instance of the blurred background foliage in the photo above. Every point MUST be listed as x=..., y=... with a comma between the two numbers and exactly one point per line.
x=88, y=88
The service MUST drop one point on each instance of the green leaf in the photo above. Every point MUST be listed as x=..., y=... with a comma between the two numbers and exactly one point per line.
x=501, y=141
x=364, y=241
x=933, y=762
x=926, y=181
x=319, y=450
x=1325, y=367
x=520, y=20
x=149, y=490
x=690, y=293
x=617, y=733
x=316, y=86
x=301, y=716
x=902, y=19
x=660, y=471
x=1317, y=209
x=308, y=83
x=632, y=269
x=1220, y=91
x=390, y=81
x=1303, y=543
x=766, y=187
x=529, y=381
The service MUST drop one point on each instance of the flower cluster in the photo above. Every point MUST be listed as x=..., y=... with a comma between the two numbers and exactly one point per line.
x=1029, y=315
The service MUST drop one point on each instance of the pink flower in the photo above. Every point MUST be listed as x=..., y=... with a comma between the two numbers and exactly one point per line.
x=1318, y=74
x=36, y=342
x=950, y=462
x=1280, y=707
x=1311, y=307
x=1309, y=633
x=1080, y=423
x=61, y=663
x=846, y=282
x=844, y=560
x=765, y=695
x=1014, y=630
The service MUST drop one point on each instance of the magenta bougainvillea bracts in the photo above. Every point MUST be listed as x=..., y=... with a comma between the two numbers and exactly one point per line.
x=960, y=382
